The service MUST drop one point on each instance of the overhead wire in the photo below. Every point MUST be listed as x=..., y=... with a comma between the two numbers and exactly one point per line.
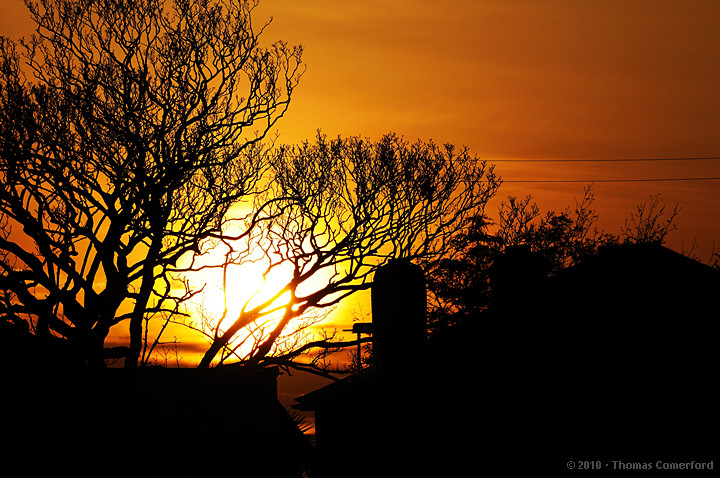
x=621, y=180
x=609, y=160
x=601, y=160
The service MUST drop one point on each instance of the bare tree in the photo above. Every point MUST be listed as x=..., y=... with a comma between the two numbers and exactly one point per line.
x=460, y=287
x=337, y=209
x=128, y=130
x=650, y=222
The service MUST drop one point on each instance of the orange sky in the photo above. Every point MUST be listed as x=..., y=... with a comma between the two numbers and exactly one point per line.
x=526, y=79
x=551, y=79
x=518, y=79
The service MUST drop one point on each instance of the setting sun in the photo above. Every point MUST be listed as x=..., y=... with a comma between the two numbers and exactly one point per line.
x=244, y=286
x=235, y=277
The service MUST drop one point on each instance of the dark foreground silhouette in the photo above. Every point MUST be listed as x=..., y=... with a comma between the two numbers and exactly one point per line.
x=148, y=422
x=614, y=359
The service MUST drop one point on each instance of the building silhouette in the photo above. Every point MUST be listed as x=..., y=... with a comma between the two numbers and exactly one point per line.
x=613, y=359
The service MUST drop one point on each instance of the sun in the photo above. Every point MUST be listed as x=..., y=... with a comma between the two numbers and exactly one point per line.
x=239, y=286
x=229, y=286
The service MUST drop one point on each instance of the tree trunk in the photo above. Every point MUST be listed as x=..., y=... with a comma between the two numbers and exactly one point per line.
x=210, y=353
x=146, y=288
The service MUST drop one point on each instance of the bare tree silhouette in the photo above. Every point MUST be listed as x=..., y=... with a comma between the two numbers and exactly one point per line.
x=650, y=222
x=337, y=209
x=128, y=130
x=461, y=284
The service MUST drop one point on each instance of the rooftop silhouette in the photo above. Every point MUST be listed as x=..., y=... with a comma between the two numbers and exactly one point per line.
x=611, y=359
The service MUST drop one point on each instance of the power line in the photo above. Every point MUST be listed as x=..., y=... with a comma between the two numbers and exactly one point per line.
x=601, y=160
x=608, y=160
x=622, y=180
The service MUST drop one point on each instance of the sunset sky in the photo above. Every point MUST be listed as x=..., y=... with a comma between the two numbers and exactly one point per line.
x=512, y=79
x=520, y=80
x=530, y=80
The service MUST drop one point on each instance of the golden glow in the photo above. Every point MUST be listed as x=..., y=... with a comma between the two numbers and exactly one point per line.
x=246, y=286
x=511, y=79
x=246, y=282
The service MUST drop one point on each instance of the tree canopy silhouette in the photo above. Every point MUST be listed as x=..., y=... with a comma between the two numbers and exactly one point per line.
x=129, y=128
x=335, y=211
x=462, y=284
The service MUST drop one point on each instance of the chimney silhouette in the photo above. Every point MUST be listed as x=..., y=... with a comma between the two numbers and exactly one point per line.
x=399, y=310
